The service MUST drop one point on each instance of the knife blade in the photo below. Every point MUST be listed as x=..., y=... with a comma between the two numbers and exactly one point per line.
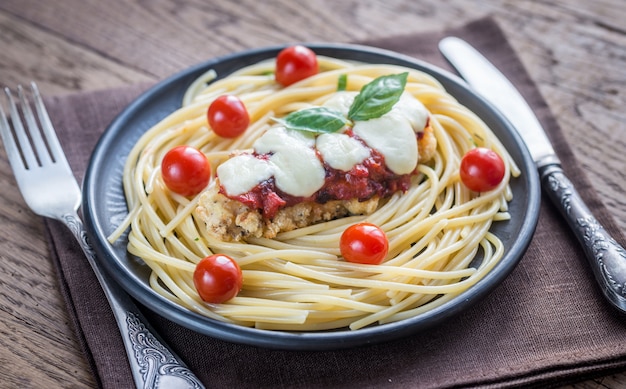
x=606, y=257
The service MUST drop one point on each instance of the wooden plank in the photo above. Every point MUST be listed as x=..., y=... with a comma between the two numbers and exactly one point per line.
x=581, y=81
x=29, y=53
x=194, y=31
x=35, y=333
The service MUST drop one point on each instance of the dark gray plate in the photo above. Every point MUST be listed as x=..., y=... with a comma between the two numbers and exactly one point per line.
x=104, y=206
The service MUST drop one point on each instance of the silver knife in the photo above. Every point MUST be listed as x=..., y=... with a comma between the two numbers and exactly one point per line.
x=606, y=257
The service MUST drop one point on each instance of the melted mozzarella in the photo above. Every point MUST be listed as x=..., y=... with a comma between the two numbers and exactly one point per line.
x=341, y=102
x=412, y=110
x=340, y=151
x=240, y=174
x=279, y=138
x=293, y=160
x=393, y=134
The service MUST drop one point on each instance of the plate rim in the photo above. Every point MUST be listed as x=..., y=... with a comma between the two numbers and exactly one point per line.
x=321, y=340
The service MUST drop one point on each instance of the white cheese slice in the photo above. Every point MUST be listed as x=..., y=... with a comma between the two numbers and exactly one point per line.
x=240, y=174
x=341, y=102
x=340, y=151
x=297, y=169
x=394, y=138
x=393, y=134
x=413, y=110
x=279, y=138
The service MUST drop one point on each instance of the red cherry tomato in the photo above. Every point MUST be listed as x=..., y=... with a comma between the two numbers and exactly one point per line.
x=364, y=243
x=295, y=63
x=217, y=278
x=228, y=116
x=482, y=169
x=185, y=170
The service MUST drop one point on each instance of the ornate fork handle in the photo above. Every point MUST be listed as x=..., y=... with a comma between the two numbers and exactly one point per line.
x=153, y=365
x=606, y=257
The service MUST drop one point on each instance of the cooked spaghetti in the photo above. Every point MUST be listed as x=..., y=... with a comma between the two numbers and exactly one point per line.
x=298, y=280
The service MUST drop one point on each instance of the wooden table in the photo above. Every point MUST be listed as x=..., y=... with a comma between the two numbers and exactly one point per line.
x=574, y=49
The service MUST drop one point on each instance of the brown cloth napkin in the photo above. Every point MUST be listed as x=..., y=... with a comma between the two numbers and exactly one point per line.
x=546, y=324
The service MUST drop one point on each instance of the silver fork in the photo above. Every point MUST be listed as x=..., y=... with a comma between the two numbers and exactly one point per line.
x=50, y=190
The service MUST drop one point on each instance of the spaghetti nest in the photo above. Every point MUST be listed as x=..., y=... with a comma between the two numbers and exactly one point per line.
x=298, y=280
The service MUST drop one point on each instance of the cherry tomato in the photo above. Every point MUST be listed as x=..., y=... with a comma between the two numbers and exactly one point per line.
x=185, y=170
x=364, y=243
x=482, y=169
x=295, y=63
x=228, y=116
x=217, y=278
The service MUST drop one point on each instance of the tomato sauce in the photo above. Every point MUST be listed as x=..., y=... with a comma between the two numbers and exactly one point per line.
x=364, y=181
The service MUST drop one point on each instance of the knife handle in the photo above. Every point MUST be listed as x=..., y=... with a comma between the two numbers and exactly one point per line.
x=606, y=257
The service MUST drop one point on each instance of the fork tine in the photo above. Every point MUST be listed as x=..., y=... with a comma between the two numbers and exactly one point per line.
x=10, y=145
x=46, y=125
x=22, y=142
x=34, y=131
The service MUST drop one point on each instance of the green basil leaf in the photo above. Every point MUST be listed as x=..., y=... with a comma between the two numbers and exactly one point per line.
x=342, y=82
x=317, y=119
x=378, y=97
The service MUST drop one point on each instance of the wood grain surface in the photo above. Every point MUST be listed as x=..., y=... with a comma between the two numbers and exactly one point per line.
x=575, y=50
